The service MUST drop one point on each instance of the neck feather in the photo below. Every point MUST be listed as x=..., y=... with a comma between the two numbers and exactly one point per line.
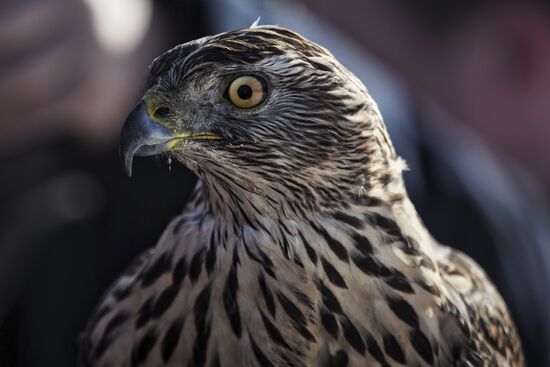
x=271, y=220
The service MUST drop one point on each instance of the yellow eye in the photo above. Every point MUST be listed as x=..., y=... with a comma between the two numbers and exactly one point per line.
x=247, y=91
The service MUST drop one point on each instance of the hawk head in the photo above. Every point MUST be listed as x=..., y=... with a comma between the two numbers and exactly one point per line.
x=261, y=110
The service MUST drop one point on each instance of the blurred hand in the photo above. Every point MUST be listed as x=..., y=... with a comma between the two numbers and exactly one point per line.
x=56, y=77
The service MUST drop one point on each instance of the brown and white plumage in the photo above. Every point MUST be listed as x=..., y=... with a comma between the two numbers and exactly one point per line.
x=300, y=246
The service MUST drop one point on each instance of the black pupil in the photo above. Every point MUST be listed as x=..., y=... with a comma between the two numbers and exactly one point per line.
x=244, y=91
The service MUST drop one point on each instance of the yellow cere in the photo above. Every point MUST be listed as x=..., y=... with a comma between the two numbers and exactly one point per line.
x=151, y=107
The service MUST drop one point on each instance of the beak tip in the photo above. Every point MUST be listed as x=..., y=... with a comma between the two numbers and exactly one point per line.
x=128, y=171
x=127, y=158
x=126, y=155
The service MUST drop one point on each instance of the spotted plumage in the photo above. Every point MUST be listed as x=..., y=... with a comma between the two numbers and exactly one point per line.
x=300, y=246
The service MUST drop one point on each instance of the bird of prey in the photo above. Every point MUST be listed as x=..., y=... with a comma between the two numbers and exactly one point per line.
x=300, y=246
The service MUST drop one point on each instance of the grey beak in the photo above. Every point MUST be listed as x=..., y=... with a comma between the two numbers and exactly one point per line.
x=141, y=137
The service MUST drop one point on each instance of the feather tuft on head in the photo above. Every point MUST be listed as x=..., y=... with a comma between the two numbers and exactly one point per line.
x=256, y=23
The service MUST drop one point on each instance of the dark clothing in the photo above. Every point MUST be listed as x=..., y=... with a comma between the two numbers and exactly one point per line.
x=70, y=262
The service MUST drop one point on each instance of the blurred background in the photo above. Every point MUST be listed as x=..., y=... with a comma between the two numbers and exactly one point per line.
x=464, y=88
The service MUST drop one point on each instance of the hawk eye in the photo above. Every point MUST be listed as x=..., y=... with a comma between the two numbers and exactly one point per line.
x=247, y=91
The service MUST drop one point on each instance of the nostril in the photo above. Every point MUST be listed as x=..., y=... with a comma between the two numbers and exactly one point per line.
x=161, y=113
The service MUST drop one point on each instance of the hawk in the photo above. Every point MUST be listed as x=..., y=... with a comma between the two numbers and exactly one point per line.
x=300, y=246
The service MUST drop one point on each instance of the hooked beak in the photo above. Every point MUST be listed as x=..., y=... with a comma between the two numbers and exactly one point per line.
x=142, y=137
